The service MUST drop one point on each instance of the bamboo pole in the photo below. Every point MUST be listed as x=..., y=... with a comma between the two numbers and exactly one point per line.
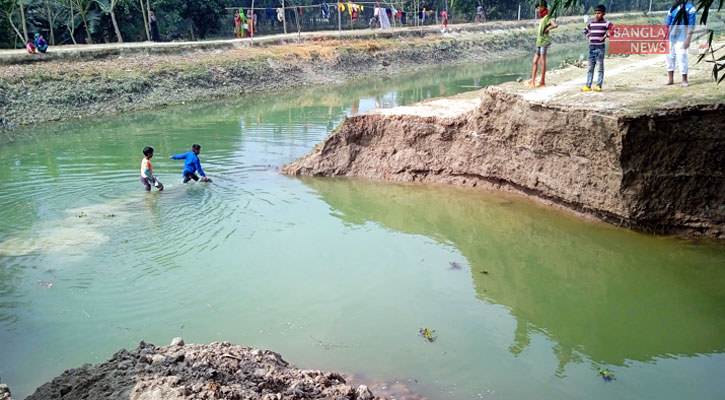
x=297, y=21
x=253, y=28
x=284, y=18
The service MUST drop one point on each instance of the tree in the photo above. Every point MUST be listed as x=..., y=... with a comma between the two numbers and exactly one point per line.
x=108, y=6
x=8, y=10
x=83, y=7
x=22, y=21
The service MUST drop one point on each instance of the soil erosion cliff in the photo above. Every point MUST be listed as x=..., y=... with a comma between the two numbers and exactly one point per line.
x=659, y=170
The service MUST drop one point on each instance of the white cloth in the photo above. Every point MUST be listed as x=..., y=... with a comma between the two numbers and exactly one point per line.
x=384, y=21
x=678, y=53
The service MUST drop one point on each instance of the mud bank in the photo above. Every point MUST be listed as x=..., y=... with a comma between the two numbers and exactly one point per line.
x=623, y=160
x=194, y=371
x=79, y=85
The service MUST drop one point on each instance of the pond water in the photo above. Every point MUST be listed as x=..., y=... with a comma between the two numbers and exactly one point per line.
x=338, y=274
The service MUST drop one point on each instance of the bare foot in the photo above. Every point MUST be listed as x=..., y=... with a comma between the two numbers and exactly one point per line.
x=669, y=83
x=685, y=84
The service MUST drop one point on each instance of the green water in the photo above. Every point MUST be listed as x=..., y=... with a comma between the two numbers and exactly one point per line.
x=290, y=264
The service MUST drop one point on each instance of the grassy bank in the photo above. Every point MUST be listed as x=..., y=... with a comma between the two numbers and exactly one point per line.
x=61, y=89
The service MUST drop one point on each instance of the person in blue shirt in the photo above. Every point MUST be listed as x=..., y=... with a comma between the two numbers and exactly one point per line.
x=192, y=164
x=40, y=43
x=681, y=20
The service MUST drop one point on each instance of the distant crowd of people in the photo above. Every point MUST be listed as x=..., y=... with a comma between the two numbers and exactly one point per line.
x=681, y=20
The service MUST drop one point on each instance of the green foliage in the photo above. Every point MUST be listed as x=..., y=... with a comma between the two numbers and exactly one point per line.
x=428, y=334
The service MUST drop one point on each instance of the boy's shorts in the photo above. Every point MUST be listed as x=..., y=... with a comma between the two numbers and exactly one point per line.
x=147, y=183
x=541, y=50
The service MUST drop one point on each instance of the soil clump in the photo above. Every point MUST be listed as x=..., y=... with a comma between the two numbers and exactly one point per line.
x=219, y=370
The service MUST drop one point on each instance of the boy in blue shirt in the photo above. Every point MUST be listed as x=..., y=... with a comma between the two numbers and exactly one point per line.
x=192, y=164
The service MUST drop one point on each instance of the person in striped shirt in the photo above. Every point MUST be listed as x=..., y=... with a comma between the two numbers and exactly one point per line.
x=597, y=31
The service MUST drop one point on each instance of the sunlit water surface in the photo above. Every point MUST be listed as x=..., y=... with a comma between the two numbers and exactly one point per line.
x=336, y=273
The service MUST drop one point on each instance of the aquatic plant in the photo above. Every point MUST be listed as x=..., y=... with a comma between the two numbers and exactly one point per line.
x=44, y=284
x=428, y=334
x=606, y=374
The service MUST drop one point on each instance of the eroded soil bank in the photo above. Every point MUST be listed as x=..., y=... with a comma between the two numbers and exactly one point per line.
x=219, y=370
x=653, y=160
x=110, y=80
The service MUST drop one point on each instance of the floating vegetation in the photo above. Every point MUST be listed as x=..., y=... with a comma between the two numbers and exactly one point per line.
x=606, y=374
x=454, y=265
x=109, y=215
x=577, y=62
x=81, y=215
x=428, y=334
x=44, y=284
x=326, y=346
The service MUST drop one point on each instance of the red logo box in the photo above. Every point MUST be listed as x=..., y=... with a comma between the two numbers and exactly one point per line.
x=639, y=39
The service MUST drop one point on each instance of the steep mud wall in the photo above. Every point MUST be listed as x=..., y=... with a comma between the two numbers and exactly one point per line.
x=657, y=172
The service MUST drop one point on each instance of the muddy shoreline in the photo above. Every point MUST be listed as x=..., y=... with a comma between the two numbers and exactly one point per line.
x=72, y=88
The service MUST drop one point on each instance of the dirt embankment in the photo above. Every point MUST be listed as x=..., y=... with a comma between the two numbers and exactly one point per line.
x=74, y=86
x=218, y=370
x=660, y=171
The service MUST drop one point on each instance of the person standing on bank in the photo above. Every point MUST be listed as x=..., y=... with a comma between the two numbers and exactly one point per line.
x=681, y=20
x=597, y=31
x=543, y=41
x=154, y=26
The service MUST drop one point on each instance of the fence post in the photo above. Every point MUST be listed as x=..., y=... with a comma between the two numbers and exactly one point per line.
x=251, y=24
x=284, y=18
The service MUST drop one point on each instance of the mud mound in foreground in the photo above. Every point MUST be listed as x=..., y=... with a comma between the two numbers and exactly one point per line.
x=219, y=370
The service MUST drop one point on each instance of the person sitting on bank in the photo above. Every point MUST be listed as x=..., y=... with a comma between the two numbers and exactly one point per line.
x=681, y=20
x=191, y=164
x=30, y=47
x=40, y=43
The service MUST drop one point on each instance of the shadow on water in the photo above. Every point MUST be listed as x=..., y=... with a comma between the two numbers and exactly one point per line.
x=610, y=294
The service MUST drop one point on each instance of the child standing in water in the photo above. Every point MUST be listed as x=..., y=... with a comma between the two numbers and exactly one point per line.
x=147, y=177
x=191, y=164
